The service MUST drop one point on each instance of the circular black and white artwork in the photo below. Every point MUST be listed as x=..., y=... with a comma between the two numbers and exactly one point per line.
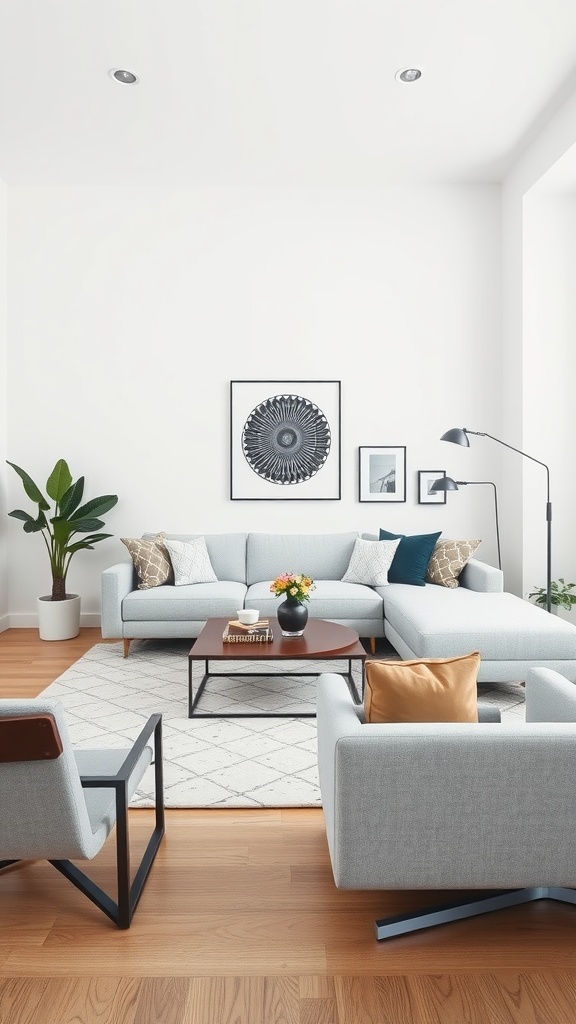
x=286, y=439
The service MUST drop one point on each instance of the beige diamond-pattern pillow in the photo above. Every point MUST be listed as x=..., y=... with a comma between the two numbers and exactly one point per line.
x=370, y=562
x=448, y=559
x=191, y=561
x=151, y=560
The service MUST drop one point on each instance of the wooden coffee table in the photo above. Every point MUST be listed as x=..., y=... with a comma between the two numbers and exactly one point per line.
x=320, y=641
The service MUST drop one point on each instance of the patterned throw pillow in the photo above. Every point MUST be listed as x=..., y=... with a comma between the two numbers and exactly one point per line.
x=150, y=560
x=370, y=562
x=191, y=561
x=448, y=559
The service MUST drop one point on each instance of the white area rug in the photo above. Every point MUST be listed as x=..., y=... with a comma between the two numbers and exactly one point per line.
x=220, y=762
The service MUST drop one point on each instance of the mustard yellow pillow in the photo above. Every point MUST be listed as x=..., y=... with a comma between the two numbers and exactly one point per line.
x=433, y=690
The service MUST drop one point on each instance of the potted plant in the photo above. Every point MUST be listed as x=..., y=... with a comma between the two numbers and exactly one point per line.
x=59, y=524
x=561, y=595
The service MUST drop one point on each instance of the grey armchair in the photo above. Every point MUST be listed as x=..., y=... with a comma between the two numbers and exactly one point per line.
x=450, y=806
x=60, y=804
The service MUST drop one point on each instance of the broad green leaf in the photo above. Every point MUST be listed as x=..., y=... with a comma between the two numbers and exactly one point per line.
x=32, y=490
x=71, y=499
x=79, y=546
x=19, y=513
x=59, y=480
x=97, y=506
x=85, y=525
x=33, y=527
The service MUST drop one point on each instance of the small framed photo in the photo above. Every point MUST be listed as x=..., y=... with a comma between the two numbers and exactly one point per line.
x=382, y=473
x=426, y=478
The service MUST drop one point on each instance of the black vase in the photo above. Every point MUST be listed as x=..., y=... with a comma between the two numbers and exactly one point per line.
x=292, y=617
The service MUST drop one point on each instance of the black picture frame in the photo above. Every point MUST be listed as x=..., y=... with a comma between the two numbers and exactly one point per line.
x=285, y=440
x=426, y=477
x=382, y=473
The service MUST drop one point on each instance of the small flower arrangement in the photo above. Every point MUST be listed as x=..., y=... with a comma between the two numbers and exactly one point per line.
x=294, y=585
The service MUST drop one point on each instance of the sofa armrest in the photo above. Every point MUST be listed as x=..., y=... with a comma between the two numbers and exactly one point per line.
x=550, y=697
x=484, y=578
x=117, y=582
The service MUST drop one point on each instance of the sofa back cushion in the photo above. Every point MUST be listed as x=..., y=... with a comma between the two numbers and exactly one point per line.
x=323, y=556
x=227, y=553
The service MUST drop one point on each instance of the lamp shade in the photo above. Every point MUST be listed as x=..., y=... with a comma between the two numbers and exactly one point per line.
x=457, y=435
x=444, y=483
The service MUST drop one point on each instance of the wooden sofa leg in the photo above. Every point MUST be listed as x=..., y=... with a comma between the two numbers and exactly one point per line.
x=126, y=646
x=373, y=644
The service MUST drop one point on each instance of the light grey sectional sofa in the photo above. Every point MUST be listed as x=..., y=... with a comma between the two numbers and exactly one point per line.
x=420, y=622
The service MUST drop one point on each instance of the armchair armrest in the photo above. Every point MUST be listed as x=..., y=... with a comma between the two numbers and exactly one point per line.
x=550, y=697
x=117, y=582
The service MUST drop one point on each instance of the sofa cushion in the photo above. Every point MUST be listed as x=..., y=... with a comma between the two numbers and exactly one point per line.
x=437, y=690
x=370, y=562
x=190, y=561
x=150, y=559
x=410, y=561
x=194, y=603
x=331, y=599
x=448, y=559
x=323, y=556
x=438, y=622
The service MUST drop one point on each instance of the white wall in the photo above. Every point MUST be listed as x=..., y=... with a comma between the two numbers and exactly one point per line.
x=539, y=311
x=4, y=599
x=132, y=309
x=550, y=374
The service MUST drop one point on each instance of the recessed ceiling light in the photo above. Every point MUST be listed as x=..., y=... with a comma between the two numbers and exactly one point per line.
x=124, y=77
x=408, y=75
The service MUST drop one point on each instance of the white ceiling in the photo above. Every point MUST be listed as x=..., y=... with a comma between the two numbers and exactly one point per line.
x=276, y=92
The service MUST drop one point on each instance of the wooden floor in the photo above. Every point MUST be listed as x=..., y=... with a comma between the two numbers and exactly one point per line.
x=240, y=923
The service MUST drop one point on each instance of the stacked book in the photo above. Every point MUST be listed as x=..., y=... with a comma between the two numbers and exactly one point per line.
x=237, y=633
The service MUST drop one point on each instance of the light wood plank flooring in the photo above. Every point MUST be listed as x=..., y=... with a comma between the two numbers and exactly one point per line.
x=240, y=923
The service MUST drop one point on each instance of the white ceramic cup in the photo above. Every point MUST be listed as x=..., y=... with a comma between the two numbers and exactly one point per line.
x=248, y=616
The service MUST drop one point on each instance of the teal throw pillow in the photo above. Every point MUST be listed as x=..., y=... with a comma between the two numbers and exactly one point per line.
x=410, y=562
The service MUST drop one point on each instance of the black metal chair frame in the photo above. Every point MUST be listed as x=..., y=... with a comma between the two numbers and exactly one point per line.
x=122, y=911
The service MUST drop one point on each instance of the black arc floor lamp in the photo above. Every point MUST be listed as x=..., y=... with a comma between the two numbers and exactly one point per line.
x=459, y=435
x=446, y=483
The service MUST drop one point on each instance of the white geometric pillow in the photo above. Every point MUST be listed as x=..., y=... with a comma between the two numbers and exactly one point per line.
x=370, y=562
x=190, y=561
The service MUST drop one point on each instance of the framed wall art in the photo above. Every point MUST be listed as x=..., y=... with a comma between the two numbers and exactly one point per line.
x=382, y=473
x=426, y=478
x=285, y=440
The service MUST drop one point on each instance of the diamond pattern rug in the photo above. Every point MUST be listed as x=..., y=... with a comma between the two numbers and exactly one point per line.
x=220, y=762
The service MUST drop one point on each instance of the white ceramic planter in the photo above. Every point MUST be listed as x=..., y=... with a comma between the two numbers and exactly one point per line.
x=59, y=620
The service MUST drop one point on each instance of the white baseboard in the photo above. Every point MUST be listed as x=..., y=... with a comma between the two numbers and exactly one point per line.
x=4, y=623
x=30, y=621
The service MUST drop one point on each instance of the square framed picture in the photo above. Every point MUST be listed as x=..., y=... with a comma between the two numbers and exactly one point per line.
x=382, y=473
x=285, y=440
x=426, y=478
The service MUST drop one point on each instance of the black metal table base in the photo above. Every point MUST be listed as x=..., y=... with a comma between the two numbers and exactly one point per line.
x=193, y=699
